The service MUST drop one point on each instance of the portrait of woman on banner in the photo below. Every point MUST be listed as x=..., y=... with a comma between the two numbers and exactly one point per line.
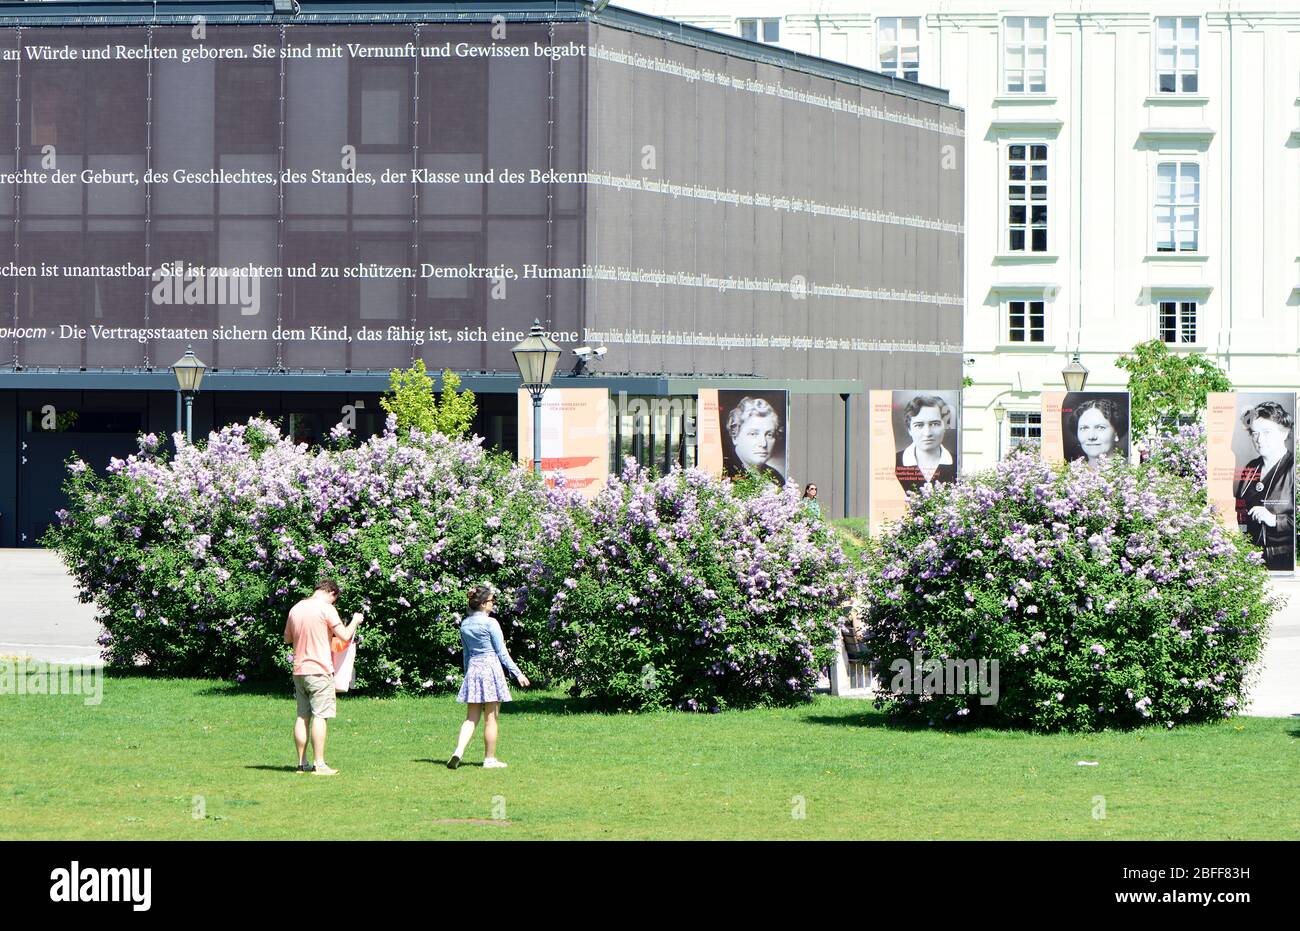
x=923, y=454
x=754, y=438
x=1265, y=487
x=1094, y=427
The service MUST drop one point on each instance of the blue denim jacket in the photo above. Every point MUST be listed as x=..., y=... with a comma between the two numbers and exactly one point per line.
x=480, y=635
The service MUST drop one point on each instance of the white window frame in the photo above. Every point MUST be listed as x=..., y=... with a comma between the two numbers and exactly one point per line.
x=1011, y=427
x=1179, y=49
x=1028, y=300
x=899, y=70
x=1004, y=186
x=760, y=24
x=1025, y=47
x=1177, y=206
x=1179, y=301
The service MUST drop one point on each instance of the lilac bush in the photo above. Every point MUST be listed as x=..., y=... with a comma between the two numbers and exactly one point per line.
x=1182, y=453
x=688, y=592
x=195, y=561
x=1109, y=596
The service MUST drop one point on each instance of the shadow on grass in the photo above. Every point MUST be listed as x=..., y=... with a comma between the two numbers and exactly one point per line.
x=260, y=687
x=273, y=769
x=873, y=719
x=554, y=704
x=443, y=763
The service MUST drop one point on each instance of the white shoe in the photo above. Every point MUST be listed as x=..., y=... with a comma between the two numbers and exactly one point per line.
x=494, y=763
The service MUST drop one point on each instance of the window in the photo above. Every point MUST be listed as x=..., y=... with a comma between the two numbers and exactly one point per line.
x=899, y=45
x=54, y=108
x=451, y=303
x=381, y=105
x=454, y=108
x=1177, y=321
x=659, y=432
x=1178, y=207
x=1027, y=197
x=248, y=107
x=1026, y=321
x=1178, y=54
x=1025, y=55
x=382, y=298
x=1026, y=427
x=767, y=31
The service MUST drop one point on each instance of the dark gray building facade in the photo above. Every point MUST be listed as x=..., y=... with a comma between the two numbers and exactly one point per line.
x=308, y=199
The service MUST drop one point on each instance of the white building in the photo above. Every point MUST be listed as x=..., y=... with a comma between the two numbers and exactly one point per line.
x=1133, y=173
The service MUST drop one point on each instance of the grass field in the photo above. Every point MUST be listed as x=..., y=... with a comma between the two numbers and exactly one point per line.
x=196, y=759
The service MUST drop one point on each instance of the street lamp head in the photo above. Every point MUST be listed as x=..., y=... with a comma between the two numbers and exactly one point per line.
x=537, y=357
x=1075, y=375
x=999, y=412
x=189, y=371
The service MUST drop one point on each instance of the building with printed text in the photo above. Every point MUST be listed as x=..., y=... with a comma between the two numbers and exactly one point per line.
x=313, y=197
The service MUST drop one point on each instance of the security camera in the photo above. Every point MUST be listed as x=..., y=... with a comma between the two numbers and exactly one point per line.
x=587, y=355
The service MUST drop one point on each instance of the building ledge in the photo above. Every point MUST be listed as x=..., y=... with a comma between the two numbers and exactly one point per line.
x=1176, y=257
x=1025, y=347
x=1024, y=100
x=1177, y=100
x=1186, y=347
x=1186, y=288
x=1040, y=127
x=1200, y=135
x=1045, y=288
x=1024, y=258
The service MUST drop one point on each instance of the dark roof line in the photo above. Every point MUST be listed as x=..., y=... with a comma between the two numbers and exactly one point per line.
x=261, y=12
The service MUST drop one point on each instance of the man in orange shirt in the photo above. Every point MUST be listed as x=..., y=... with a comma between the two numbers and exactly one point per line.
x=311, y=623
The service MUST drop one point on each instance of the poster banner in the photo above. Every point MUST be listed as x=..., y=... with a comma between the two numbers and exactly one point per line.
x=743, y=431
x=708, y=433
x=1081, y=426
x=913, y=441
x=575, y=436
x=1250, y=459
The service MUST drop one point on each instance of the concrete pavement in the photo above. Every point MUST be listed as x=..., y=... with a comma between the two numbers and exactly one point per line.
x=1277, y=689
x=40, y=617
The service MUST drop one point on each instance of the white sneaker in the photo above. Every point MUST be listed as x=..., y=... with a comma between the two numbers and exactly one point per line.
x=494, y=763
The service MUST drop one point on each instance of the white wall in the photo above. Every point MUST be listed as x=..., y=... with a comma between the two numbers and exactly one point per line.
x=1100, y=278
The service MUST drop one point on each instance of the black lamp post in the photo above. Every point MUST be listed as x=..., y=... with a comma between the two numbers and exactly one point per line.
x=537, y=357
x=189, y=371
x=1075, y=375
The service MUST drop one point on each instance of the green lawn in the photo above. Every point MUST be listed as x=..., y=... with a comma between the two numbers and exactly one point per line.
x=132, y=766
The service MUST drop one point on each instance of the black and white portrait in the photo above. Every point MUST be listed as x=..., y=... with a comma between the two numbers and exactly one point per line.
x=1264, y=479
x=1094, y=425
x=753, y=433
x=925, y=438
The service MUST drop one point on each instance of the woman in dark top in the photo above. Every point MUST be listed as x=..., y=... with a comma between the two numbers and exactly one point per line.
x=1265, y=490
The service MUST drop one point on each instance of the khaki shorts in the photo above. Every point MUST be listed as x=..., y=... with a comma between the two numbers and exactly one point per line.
x=315, y=696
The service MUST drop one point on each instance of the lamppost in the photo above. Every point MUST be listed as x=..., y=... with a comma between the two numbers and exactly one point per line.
x=999, y=415
x=189, y=371
x=537, y=357
x=1075, y=375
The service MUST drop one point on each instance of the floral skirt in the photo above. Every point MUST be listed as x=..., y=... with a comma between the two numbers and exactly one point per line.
x=485, y=681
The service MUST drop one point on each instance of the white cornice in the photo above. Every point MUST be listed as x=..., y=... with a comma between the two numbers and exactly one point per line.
x=1173, y=135
x=1044, y=127
x=861, y=20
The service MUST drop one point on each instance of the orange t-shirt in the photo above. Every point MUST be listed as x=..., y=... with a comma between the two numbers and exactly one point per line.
x=311, y=621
